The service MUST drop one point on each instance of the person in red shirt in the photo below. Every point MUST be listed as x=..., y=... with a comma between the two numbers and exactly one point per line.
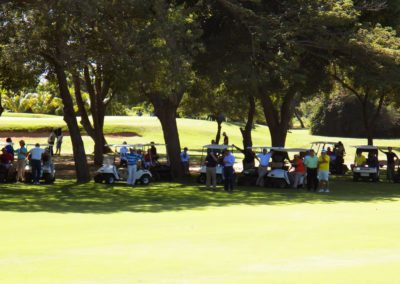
x=299, y=170
x=6, y=159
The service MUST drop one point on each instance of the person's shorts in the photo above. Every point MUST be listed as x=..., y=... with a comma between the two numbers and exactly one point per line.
x=323, y=175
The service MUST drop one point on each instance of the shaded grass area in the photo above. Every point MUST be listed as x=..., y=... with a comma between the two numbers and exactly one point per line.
x=68, y=197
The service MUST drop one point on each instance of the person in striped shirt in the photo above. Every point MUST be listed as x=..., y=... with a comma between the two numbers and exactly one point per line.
x=132, y=158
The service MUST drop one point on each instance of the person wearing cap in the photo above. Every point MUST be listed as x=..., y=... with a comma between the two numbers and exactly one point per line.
x=133, y=158
x=9, y=147
x=228, y=162
x=22, y=152
x=263, y=158
x=123, y=161
x=311, y=162
x=36, y=162
x=185, y=160
x=392, y=159
x=323, y=171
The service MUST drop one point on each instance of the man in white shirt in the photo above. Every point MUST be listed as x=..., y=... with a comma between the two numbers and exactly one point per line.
x=263, y=158
x=185, y=160
x=36, y=162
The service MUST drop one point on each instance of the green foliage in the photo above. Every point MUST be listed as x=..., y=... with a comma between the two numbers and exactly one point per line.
x=40, y=103
x=117, y=109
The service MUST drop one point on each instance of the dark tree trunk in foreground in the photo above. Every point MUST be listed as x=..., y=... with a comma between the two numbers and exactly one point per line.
x=81, y=166
x=246, y=131
x=278, y=118
x=165, y=109
x=97, y=93
x=218, y=136
x=1, y=107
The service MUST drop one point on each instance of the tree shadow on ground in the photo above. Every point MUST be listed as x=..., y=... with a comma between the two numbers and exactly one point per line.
x=68, y=197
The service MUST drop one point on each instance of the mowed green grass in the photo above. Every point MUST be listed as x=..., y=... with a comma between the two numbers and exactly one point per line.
x=193, y=133
x=177, y=233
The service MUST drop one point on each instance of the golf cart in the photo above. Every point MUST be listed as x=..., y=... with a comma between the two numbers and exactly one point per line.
x=8, y=173
x=279, y=175
x=109, y=173
x=337, y=166
x=160, y=168
x=48, y=173
x=217, y=149
x=364, y=172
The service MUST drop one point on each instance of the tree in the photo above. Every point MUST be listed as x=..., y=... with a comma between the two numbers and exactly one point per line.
x=40, y=32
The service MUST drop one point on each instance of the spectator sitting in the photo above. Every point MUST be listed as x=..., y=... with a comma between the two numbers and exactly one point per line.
x=6, y=159
x=372, y=161
x=359, y=160
x=123, y=161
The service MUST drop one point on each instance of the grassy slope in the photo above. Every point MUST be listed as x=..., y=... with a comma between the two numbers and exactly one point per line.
x=194, y=133
x=178, y=234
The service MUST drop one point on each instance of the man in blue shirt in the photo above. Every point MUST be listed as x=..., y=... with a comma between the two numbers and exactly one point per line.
x=185, y=160
x=263, y=158
x=132, y=158
x=22, y=152
x=228, y=161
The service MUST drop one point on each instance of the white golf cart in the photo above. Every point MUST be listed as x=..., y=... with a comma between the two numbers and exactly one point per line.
x=109, y=173
x=48, y=172
x=217, y=149
x=279, y=175
x=8, y=173
x=365, y=172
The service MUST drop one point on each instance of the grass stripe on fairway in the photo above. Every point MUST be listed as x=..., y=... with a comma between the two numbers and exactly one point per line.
x=176, y=233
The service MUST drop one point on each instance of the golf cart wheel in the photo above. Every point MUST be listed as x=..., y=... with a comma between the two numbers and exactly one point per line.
x=145, y=179
x=110, y=179
x=281, y=183
x=98, y=178
x=201, y=179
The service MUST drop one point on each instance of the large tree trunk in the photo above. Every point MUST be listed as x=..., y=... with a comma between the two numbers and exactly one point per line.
x=81, y=166
x=218, y=136
x=278, y=119
x=246, y=132
x=1, y=106
x=165, y=109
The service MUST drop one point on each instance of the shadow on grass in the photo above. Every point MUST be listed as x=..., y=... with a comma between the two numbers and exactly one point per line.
x=68, y=197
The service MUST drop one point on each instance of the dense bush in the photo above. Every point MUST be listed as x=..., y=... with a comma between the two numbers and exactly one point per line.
x=342, y=116
x=116, y=109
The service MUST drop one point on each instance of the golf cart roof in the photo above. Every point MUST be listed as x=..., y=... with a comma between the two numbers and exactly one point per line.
x=152, y=144
x=6, y=143
x=366, y=147
x=281, y=149
x=123, y=145
x=324, y=143
x=217, y=146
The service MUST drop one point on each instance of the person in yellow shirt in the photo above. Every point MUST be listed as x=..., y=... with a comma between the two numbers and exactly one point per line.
x=323, y=171
x=359, y=160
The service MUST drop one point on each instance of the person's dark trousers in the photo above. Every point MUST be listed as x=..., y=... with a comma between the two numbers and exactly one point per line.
x=390, y=171
x=312, y=179
x=36, y=169
x=51, y=146
x=228, y=178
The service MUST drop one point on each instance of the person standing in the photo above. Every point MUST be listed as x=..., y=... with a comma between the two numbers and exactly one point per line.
x=211, y=170
x=9, y=147
x=263, y=158
x=36, y=162
x=228, y=161
x=299, y=170
x=22, y=152
x=226, y=138
x=51, y=140
x=391, y=158
x=123, y=161
x=185, y=160
x=132, y=158
x=59, y=141
x=323, y=171
x=311, y=162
